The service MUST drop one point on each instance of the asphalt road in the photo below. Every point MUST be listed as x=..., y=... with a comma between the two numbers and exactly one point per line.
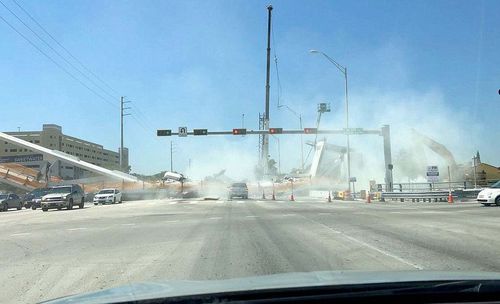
x=51, y=254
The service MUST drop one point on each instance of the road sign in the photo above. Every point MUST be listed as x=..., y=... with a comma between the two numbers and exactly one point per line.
x=183, y=131
x=432, y=174
x=200, y=132
x=352, y=179
x=275, y=130
x=353, y=131
x=239, y=131
x=163, y=132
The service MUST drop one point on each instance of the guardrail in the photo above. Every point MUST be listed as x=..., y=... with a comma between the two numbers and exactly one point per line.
x=436, y=196
x=427, y=187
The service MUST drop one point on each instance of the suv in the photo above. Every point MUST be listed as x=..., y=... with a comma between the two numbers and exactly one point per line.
x=10, y=200
x=238, y=190
x=63, y=197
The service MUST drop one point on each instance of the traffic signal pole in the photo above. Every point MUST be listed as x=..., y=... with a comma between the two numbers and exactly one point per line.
x=265, y=141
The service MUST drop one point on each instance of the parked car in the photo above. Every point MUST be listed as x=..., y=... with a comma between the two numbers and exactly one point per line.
x=108, y=196
x=63, y=197
x=490, y=195
x=238, y=190
x=34, y=198
x=10, y=200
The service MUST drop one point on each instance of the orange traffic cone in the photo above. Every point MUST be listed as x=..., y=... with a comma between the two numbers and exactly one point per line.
x=368, y=198
x=292, y=198
x=274, y=197
x=329, y=197
x=263, y=195
x=450, y=198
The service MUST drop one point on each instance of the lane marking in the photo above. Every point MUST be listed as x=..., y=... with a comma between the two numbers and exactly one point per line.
x=74, y=229
x=252, y=216
x=129, y=224
x=240, y=202
x=193, y=202
x=323, y=213
x=172, y=203
x=288, y=214
x=215, y=218
x=386, y=253
x=20, y=234
x=172, y=221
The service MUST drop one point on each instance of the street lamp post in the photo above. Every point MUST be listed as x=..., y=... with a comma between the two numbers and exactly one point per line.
x=343, y=70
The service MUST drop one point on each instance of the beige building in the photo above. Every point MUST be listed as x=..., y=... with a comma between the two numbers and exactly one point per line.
x=51, y=137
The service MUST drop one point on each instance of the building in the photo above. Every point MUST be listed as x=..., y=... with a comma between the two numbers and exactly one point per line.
x=51, y=137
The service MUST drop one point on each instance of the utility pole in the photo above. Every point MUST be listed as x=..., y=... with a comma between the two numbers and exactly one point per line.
x=122, y=108
x=171, y=159
x=265, y=142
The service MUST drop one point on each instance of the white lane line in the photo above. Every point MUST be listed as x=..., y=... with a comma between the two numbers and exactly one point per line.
x=386, y=253
x=220, y=202
x=193, y=202
x=129, y=224
x=288, y=214
x=172, y=203
x=240, y=202
x=74, y=229
x=20, y=234
x=323, y=213
x=215, y=218
x=252, y=216
x=173, y=221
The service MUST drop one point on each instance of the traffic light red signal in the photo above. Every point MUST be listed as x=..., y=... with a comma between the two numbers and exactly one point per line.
x=275, y=130
x=239, y=131
x=310, y=130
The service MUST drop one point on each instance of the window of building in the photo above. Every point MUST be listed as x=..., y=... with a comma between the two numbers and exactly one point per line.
x=13, y=150
x=37, y=141
x=50, y=145
x=6, y=150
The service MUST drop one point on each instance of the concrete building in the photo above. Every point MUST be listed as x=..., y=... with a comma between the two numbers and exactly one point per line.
x=51, y=137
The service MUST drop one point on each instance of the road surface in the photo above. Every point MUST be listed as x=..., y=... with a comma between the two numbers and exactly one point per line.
x=56, y=253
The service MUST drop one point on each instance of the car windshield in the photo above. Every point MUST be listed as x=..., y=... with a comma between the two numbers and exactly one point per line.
x=496, y=185
x=106, y=192
x=224, y=139
x=59, y=190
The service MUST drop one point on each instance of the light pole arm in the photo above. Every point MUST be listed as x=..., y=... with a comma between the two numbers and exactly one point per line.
x=341, y=68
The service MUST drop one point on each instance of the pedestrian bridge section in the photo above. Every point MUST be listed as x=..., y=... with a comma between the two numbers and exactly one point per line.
x=69, y=159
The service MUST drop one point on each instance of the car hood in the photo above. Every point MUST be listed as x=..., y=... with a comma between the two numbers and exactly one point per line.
x=55, y=195
x=142, y=291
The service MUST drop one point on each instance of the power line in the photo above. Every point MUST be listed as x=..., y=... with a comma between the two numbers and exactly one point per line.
x=65, y=49
x=56, y=63
x=55, y=51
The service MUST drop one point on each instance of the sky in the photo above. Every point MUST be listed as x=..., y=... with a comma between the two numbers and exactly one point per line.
x=425, y=65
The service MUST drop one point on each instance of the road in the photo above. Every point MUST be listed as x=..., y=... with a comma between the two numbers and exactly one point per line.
x=51, y=254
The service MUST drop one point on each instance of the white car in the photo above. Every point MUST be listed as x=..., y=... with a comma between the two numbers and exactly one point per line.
x=108, y=196
x=490, y=195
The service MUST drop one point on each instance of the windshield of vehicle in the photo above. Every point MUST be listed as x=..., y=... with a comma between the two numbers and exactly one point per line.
x=495, y=185
x=225, y=139
x=3, y=196
x=106, y=192
x=239, y=185
x=39, y=192
x=59, y=190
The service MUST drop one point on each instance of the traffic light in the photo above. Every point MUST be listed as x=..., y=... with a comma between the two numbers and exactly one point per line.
x=200, y=132
x=310, y=130
x=239, y=131
x=163, y=132
x=275, y=130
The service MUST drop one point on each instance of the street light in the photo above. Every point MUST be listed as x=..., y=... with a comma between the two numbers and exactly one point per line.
x=343, y=70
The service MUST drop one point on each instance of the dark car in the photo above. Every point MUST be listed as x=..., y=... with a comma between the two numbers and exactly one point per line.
x=238, y=190
x=10, y=200
x=34, y=198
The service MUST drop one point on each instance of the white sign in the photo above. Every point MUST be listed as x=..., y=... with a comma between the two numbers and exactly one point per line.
x=183, y=131
x=432, y=174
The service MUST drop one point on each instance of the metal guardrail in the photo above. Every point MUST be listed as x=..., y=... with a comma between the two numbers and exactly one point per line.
x=436, y=196
x=438, y=186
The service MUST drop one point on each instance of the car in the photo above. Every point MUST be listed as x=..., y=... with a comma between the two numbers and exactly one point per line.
x=238, y=190
x=490, y=195
x=106, y=196
x=34, y=198
x=10, y=200
x=63, y=197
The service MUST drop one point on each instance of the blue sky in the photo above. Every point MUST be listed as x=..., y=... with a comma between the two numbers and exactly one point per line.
x=429, y=65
